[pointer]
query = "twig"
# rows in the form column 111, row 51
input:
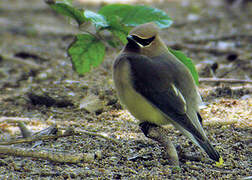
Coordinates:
column 49, row 137
column 87, row 28
column 245, row 88
column 24, row 130
column 224, row 80
column 52, row 130
column 104, row 136
column 14, row 119
column 34, row 138
column 21, row 61
column 52, row 156
column 197, row 48
column 219, row 122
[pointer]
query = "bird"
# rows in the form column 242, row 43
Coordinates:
column 157, row 88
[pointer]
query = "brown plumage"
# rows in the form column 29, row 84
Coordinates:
column 157, row 88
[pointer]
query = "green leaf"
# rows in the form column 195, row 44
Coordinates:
column 86, row 52
column 116, row 24
column 98, row 19
column 120, row 35
column 119, row 30
column 69, row 2
column 136, row 15
column 65, row 8
column 188, row 62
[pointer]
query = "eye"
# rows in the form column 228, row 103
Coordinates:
column 144, row 42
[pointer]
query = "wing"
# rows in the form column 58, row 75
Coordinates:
column 158, row 80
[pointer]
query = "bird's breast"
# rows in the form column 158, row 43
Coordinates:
column 138, row 106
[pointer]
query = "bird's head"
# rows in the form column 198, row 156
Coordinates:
column 144, row 39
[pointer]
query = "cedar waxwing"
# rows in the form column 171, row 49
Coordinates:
column 158, row 88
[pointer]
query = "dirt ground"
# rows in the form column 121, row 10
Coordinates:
column 39, row 87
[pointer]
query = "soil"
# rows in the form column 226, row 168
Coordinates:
column 39, row 87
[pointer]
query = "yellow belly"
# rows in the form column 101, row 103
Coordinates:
column 138, row 106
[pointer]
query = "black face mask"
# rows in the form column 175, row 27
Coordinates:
column 143, row 42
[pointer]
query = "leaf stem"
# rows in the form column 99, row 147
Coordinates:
column 224, row 80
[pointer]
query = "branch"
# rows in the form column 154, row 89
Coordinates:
column 224, row 80
column 52, row 156
column 14, row 119
column 49, row 137
column 21, row 61
column 34, row 138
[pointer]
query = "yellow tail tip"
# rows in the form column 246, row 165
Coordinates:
column 218, row 164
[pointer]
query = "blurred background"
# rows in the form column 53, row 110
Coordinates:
column 39, row 88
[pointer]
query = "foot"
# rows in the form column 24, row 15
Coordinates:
column 160, row 135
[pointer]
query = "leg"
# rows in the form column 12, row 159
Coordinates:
column 159, row 134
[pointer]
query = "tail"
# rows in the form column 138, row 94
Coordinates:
column 195, row 132
column 209, row 149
